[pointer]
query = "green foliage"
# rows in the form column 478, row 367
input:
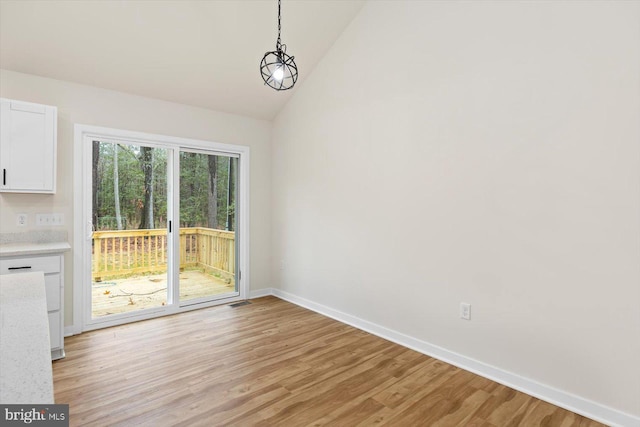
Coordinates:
column 194, row 181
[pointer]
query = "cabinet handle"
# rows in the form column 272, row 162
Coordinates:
column 4, row 177
column 20, row 268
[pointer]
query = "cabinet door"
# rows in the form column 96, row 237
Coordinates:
column 55, row 331
column 27, row 147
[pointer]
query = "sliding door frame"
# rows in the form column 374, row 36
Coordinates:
column 176, row 226
column 84, row 135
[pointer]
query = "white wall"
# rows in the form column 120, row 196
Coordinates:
column 92, row 106
column 486, row 152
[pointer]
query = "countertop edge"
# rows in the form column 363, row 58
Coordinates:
column 26, row 371
column 26, row 249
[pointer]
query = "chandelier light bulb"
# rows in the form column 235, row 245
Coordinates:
column 278, row 74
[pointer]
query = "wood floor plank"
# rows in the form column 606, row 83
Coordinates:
column 349, row 414
column 407, row 387
column 272, row 363
column 463, row 410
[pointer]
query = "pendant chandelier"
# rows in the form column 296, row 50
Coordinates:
column 277, row 68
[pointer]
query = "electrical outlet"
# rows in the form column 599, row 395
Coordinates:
column 49, row 220
column 21, row 220
column 465, row 311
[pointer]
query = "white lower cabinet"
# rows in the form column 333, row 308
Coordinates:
column 53, row 268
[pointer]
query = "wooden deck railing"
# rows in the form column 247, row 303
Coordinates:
column 126, row 252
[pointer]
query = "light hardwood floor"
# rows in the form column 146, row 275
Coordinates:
column 272, row 363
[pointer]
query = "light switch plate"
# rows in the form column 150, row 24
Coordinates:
column 48, row 220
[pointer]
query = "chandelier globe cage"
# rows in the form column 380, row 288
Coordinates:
column 279, row 70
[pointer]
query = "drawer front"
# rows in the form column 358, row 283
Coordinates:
column 48, row 264
column 52, row 287
column 55, row 331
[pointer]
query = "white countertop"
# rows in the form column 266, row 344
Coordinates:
column 27, row 248
column 26, row 376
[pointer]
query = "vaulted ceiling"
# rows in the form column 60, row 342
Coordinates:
column 201, row 53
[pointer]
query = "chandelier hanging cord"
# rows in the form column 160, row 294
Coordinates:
column 280, row 47
column 278, row 42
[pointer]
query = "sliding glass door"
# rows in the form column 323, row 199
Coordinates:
column 130, row 247
column 163, row 221
column 207, row 226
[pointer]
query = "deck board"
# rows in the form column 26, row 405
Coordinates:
column 116, row 296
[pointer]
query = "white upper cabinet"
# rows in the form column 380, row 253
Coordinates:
column 27, row 147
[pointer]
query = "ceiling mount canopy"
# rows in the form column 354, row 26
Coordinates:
column 277, row 68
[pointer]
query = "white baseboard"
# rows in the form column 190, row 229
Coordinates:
column 258, row 293
column 571, row 402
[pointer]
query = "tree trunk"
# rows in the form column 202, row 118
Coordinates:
column 146, row 163
column 212, row 194
column 94, row 185
column 116, row 187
